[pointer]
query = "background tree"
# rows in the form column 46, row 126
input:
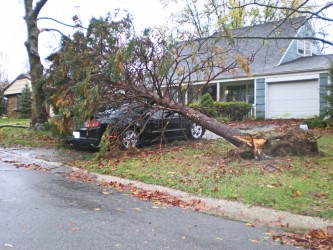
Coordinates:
column 207, row 17
column 3, row 83
column 330, row 90
column 32, row 10
column 25, row 101
column 2, row 102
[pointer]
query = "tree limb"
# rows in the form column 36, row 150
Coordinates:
column 13, row 126
column 68, row 25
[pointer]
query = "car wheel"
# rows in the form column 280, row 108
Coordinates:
column 130, row 139
column 196, row 131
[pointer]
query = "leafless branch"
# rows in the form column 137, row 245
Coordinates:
column 68, row 25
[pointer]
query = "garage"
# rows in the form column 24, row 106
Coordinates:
column 293, row 99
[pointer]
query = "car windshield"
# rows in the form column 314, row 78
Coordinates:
column 125, row 109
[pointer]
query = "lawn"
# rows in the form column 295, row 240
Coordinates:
column 10, row 136
column 301, row 185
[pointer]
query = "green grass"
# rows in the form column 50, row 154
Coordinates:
column 14, row 121
column 301, row 185
column 10, row 136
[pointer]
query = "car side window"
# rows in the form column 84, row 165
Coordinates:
column 157, row 115
column 170, row 114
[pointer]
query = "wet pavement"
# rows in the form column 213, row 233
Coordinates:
column 43, row 210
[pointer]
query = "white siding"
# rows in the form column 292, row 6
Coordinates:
column 17, row 87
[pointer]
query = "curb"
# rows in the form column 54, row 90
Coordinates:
column 229, row 209
column 234, row 210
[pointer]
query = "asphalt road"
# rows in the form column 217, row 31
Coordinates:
column 41, row 210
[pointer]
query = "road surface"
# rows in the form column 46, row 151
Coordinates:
column 44, row 210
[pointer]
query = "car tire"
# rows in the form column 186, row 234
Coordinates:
column 130, row 139
column 196, row 131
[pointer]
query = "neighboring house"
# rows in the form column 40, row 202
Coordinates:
column 289, row 76
column 13, row 91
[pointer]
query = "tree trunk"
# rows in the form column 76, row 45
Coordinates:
column 38, row 112
column 213, row 125
column 210, row 123
column 293, row 142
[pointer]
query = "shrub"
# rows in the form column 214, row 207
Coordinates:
column 234, row 111
column 325, row 120
column 319, row 122
column 206, row 105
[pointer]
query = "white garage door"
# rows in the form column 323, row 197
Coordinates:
column 293, row 99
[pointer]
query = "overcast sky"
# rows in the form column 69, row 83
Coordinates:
column 13, row 55
column 13, row 32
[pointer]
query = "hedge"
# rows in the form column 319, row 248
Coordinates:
column 233, row 111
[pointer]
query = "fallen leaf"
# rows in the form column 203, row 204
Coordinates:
column 97, row 209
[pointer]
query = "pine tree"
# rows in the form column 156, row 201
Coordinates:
column 330, row 93
column 2, row 103
column 25, row 101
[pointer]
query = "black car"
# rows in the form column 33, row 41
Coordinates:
column 132, row 125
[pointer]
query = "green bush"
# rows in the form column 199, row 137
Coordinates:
column 319, row 122
column 325, row 120
column 234, row 111
column 207, row 105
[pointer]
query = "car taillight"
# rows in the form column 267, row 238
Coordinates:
column 91, row 124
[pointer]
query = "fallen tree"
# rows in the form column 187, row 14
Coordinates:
column 102, row 67
column 296, row 142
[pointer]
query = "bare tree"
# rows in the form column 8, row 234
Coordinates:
column 212, row 16
column 39, row 114
column 32, row 10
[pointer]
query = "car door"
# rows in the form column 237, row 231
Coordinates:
column 172, row 122
column 154, row 125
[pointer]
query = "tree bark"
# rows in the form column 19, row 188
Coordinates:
column 38, row 113
column 210, row 123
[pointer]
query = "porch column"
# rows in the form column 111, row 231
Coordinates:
column 218, row 92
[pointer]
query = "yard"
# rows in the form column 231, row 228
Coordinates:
column 301, row 185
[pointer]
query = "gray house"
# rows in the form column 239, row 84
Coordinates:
column 288, row 76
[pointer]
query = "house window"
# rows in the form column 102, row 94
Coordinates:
column 306, row 48
column 250, row 94
column 236, row 93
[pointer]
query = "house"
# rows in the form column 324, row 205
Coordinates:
column 13, row 91
column 288, row 77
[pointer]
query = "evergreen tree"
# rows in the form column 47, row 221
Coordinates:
column 330, row 90
column 25, row 102
column 2, row 103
